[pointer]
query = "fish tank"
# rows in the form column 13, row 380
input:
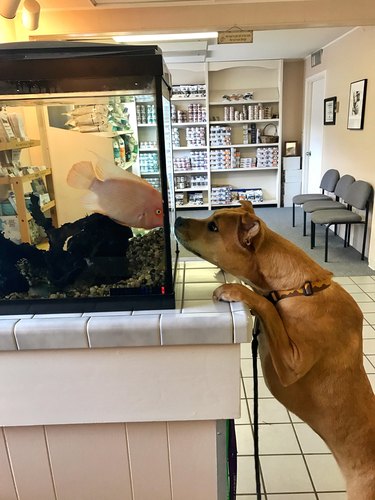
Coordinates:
column 86, row 207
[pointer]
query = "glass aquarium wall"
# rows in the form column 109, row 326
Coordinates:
column 85, row 162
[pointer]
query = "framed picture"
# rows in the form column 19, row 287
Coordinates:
column 357, row 101
column 291, row 148
column 330, row 111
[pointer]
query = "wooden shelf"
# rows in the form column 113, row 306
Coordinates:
column 9, row 179
column 255, row 169
column 188, row 124
column 241, row 122
column 18, row 144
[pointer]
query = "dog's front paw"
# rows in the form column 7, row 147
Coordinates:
column 228, row 293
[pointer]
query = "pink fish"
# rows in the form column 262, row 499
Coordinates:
column 124, row 197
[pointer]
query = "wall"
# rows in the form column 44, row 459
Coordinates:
column 350, row 151
column 293, row 100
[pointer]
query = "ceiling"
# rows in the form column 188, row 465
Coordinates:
column 296, row 43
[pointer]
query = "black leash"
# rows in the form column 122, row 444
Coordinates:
column 254, row 352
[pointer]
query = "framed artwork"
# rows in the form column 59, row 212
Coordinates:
column 291, row 148
column 330, row 111
column 357, row 101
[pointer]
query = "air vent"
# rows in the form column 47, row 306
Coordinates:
column 316, row 58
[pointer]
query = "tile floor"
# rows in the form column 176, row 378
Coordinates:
column 295, row 462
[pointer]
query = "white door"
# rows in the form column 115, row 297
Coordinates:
column 313, row 142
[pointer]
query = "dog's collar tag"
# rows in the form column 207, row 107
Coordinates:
column 308, row 289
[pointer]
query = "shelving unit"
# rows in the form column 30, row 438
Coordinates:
column 17, row 184
column 242, row 120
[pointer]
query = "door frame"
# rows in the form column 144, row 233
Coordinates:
column 306, row 123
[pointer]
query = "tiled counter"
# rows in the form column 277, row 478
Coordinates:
column 107, row 399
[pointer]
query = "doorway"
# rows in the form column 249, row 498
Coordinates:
column 313, row 140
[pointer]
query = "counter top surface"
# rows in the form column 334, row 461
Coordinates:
column 196, row 319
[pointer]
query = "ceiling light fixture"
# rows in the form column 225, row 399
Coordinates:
column 30, row 14
column 165, row 37
column 8, row 8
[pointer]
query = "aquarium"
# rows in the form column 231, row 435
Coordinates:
column 85, row 171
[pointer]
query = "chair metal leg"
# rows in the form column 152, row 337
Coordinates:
column 312, row 235
column 294, row 215
column 346, row 241
column 304, row 223
column 326, row 245
column 364, row 239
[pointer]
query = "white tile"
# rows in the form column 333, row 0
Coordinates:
column 369, row 346
column 244, row 437
column 245, row 475
column 283, row 475
column 290, row 496
column 368, row 364
column 270, row 412
column 244, row 419
column 360, row 280
column 371, row 295
column 246, row 350
column 198, row 263
column 332, row 496
column 343, row 280
column 371, row 359
column 368, row 332
column 277, row 439
column 7, row 338
column 247, row 367
column 363, row 299
column 211, row 275
column 370, row 318
column 182, row 329
column 124, row 331
column 198, row 291
column 202, row 306
column 367, row 307
column 325, row 473
column 51, row 333
column 310, row 441
column 263, row 390
column 229, row 278
column 369, row 288
column 242, row 323
column 351, row 288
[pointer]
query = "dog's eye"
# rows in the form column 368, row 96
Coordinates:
column 212, row 227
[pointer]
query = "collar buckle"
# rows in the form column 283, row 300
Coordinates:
column 308, row 289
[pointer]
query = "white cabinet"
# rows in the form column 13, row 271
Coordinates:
column 292, row 179
column 228, row 138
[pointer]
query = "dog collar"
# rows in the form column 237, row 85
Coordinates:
column 309, row 288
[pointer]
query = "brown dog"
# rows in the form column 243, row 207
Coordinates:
column 311, row 333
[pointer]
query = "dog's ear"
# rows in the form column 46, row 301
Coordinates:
column 247, row 205
column 249, row 228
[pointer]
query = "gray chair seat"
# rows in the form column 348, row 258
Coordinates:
column 300, row 199
column 337, row 216
column 314, row 206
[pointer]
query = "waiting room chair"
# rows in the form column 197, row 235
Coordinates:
column 340, row 192
column 327, row 184
column 358, row 197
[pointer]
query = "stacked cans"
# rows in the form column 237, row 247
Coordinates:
column 220, row 135
column 224, row 159
column 259, row 112
column 196, row 198
column 221, row 195
column 176, row 137
column 154, row 181
column 196, row 113
column 267, row 157
column 147, row 145
column 146, row 114
column 195, row 136
column 148, row 163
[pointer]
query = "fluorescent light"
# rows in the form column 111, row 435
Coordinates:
column 163, row 37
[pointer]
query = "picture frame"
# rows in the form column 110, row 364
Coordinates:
column 330, row 110
column 291, row 148
column 357, row 102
